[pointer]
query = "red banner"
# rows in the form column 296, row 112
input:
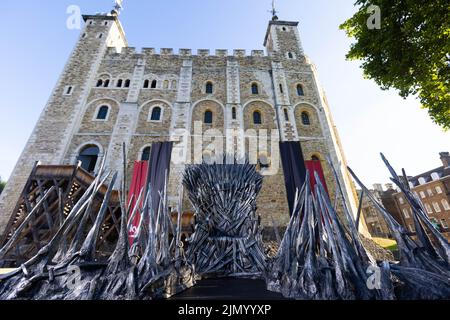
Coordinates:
column 138, row 183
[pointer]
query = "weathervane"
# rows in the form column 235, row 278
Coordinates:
column 117, row 7
column 273, row 11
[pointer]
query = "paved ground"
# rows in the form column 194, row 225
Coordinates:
column 228, row 289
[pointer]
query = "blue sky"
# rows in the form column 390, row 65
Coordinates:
column 36, row 45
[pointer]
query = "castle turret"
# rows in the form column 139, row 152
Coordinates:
column 54, row 129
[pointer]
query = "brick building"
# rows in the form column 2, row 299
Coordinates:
column 376, row 225
column 110, row 93
column 433, row 188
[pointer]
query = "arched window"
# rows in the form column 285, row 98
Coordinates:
column 146, row 84
column 300, row 91
column 209, row 87
column 88, row 157
column 106, row 84
column 255, row 89
column 156, row 114
column 286, row 114
column 103, row 113
column 146, row 154
column 99, row 83
column 315, row 158
column 166, row 84
column 281, row 88
column 127, row 83
column 119, row 83
column 208, row 117
column 257, row 119
column 233, row 113
column 154, row 83
column 290, row 55
column 174, row 84
column 305, row 119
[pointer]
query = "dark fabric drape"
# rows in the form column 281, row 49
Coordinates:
column 160, row 157
column 294, row 169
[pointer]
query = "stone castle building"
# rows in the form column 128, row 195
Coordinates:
column 109, row 94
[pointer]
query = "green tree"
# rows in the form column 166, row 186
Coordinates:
column 410, row 52
column 2, row 185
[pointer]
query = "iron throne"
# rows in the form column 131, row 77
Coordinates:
column 227, row 241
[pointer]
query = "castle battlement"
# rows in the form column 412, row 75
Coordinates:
column 133, row 52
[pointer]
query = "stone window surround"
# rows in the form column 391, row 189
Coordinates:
column 205, row 83
column 296, row 89
column 141, row 150
column 101, row 153
column 149, row 117
column 97, row 109
column 66, row 88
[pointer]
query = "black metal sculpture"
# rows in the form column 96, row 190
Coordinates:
column 227, row 240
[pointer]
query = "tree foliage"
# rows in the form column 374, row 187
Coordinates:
column 410, row 53
column 2, row 185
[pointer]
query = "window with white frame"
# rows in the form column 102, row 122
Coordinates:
column 438, row 190
column 68, row 90
column 435, row 176
column 400, row 199
column 422, row 180
column 429, row 209
column 422, row 195
column 155, row 114
column 444, row 224
column 436, row 207
column 445, row 204
column 430, row 192
column 405, row 213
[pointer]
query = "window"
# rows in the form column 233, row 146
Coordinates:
column 290, row 55
column 208, row 117
column 127, row 83
column 428, row 207
column 281, row 88
column 84, row 35
column 286, row 115
column 305, row 119
column 166, row 84
column 435, row 176
column 154, row 84
column 146, row 154
column 257, row 119
column 146, row 84
column 401, row 200
column 102, row 113
column 88, row 157
column 68, row 90
column 300, row 91
column 422, row 180
column 315, row 158
column 119, row 83
column 209, row 87
column 430, row 192
column 156, row 114
column 436, row 207
column 411, row 228
column 422, row 195
column 255, row 89
column 106, row 83
column 99, row 83
column 233, row 113
column 405, row 213
column 438, row 190
column 100, row 36
column 444, row 224
column 445, row 204
column 174, row 84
